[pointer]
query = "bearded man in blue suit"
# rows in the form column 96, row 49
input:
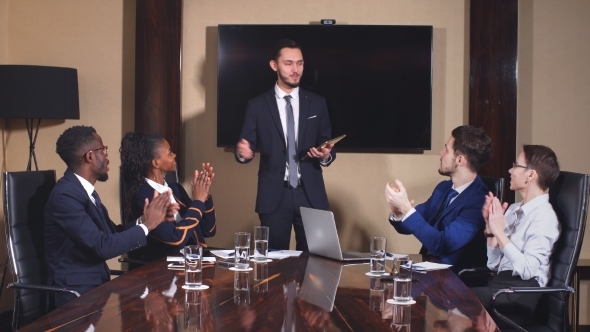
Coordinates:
column 449, row 224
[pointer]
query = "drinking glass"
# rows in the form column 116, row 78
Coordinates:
column 241, row 287
column 401, row 317
column 260, row 243
column 260, row 276
column 193, row 310
column 402, row 280
column 242, row 243
column 193, row 266
column 378, row 247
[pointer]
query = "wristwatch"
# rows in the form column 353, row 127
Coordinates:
column 487, row 234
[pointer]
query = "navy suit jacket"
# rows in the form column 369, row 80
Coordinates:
column 78, row 240
column 263, row 130
column 198, row 222
column 458, row 240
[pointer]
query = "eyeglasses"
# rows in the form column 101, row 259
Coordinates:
column 515, row 165
column 105, row 150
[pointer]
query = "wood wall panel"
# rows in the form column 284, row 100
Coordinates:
column 158, row 71
column 493, row 81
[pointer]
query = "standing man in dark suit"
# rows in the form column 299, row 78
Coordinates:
column 79, row 235
column 450, row 223
column 285, row 124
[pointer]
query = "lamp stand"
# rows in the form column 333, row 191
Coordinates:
column 32, row 141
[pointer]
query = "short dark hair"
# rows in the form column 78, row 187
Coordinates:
column 280, row 44
column 73, row 143
column 544, row 161
column 474, row 144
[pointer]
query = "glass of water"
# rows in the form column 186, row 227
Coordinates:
column 402, row 281
column 242, row 243
column 193, row 266
column 260, row 243
column 378, row 247
column 241, row 287
column 401, row 317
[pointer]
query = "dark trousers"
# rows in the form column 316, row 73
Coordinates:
column 517, row 307
column 286, row 214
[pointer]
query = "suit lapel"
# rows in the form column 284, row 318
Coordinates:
column 303, row 112
column 459, row 200
column 106, row 224
column 271, row 100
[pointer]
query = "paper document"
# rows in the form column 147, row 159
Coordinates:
column 430, row 266
column 223, row 253
column 391, row 256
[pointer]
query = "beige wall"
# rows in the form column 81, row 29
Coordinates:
column 553, row 84
column 90, row 36
column 355, row 182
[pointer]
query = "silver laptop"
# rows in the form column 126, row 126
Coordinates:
column 320, row 283
column 322, row 238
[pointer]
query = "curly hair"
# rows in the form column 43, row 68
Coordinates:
column 137, row 151
column 73, row 143
column 474, row 144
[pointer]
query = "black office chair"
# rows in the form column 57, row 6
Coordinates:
column 569, row 198
column 495, row 185
column 478, row 276
column 25, row 197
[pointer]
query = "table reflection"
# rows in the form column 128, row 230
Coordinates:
column 294, row 294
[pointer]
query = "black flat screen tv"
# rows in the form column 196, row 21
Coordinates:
column 377, row 80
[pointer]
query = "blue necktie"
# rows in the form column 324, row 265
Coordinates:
column 452, row 194
column 291, row 148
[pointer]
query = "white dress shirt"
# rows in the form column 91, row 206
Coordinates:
column 90, row 189
column 162, row 188
column 282, row 105
column 532, row 228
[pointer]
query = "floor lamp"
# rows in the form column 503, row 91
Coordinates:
column 38, row 92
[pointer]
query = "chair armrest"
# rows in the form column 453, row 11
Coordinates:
column 117, row 272
column 131, row 260
column 18, row 285
column 516, row 290
column 513, row 290
column 477, row 270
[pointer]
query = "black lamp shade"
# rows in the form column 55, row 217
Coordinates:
column 38, row 92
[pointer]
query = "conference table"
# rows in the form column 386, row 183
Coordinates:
column 305, row 293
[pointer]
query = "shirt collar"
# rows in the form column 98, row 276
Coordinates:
column 534, row 203
column 462, row 188
column 161, row 188
column 280, row 94
column 87, row 185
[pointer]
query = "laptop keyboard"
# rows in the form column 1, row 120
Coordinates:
column 345, row 256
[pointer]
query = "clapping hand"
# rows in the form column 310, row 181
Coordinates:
column 397, row 198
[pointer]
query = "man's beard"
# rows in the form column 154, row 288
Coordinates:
column 291, row 84
column 448, row 171
column 102, row 175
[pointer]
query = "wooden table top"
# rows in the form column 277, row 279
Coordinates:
column 307, row 293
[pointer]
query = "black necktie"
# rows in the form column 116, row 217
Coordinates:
column 291, row 149
column 98, row 204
